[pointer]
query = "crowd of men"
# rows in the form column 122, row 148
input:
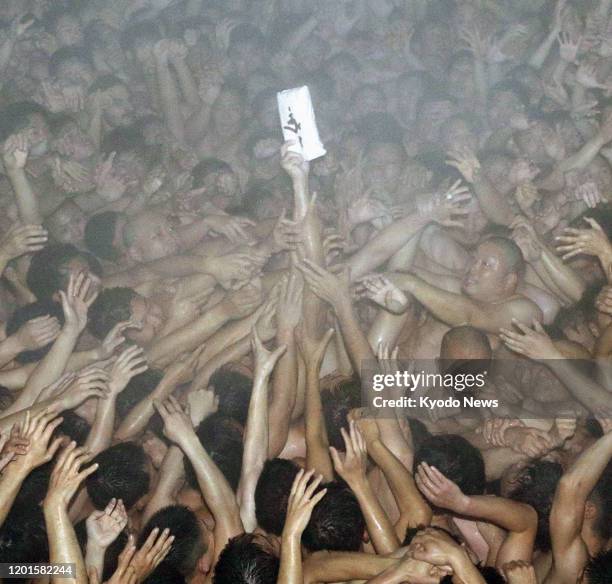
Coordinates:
column 188, row 306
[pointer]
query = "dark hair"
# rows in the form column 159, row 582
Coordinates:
column 206, row 167
column 44, row 277
column 124, row 139
column 456, row 459
column 74, row 426
column 105, row 82
column 100, row 235
column 136, row 390
column 272, row 494
column 243, row 561
column 411, row 532
column 165, row 574
column 537, row 484
column 599, row 569
column 246, row 33
column 111, row 307
column 337, row 523
column 121, row 474
column 234, row 392
column 16, row 116
column 29, row 312
column 34, row 488
column 601, row 496
column 188, row 544
column 222, row 440
column 337, row 404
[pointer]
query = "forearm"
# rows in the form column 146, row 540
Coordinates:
column 356, row 342
column 343, row 566
column 413, row 508
column 542, row 52
column 233, row 353
column 170, row 100
column 187, row 82
column 63, row 544
column 284, row 388
column 8, row 420
column 101, row 433
column 317, row 443
column 564, row 277
column 511, row 515
column 380, row 528
column 187, row 338
column 586, row 391
column 388, row 242
column 94, row 557
column 493, row 203
column 27, row 202
column 10, row 483
column 584, row 156
column 255, row 451
column 9, row 349
column 171, row 476
column 290, row 570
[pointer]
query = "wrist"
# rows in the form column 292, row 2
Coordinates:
column 13, row 343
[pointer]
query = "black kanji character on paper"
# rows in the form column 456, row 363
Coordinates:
column 294, row 126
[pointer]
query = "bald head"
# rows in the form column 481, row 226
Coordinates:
column 463, row 343
column 511, row 253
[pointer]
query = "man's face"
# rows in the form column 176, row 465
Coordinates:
column 67, row 224
column 154, row 237
column 37, row 134
column 68, row 31
column 487, row 274
column 120, row 111
column 131, row 168
column 383, row 168
column 73, row 143
column 149, row 318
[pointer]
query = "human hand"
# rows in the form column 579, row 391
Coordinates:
column 603, row 302
column 177, row 425
column 439, row 490
column 201, row 403
column 559, row 15
column 589, row 193
column 161, row 50
column 15, row 152
column 591, row 241
column 177, row 50
column 352, row 465
column 327, row 286
column 465, row 161
column 109, row 185
column 475, row 40
column 130, row 363
column 313, row 350
column 114, row 339
column 334, row 245
column 563, row 428
column 71, row 176
column 383, row 292
column 528, row 441
column 294, row 164
column 494, row 430
column 231, row 227
column 434, row 546
column 242, row 302
column 265, row 360
column 586, row 75
column 37, row 333
column 152, row 553
column 519, row 572
column 23, row 239
column 91, row 382
column 234, row 268
column 36, row 430
column 366, row 425
column 103, row 527
column 66, row 477
column 568, row 47
column 446, row 208
column 302, row 501
column 364, row 209
column 287, row 234
column 525, row 237
column 289, row 311
column 12, row 444
column 77, row 299
column 533, row 343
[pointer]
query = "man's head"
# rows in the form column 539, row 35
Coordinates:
column 51, row 268
column 115, row 305
column 123, row 473
column 219, row 180
column 190, row 537
column 234, row 392
column 383, row 166
column 30, row 120
column 67, row 223
column 245, row 561
column 465, row 349
column 150, row 236
column 272, row 494
column 118, row 110
column 70, row 141
column 71, row 67
column 495, row 270
column 337, row 523
column 456, row 459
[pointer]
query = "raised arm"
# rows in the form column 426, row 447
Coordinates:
column 256, row 431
